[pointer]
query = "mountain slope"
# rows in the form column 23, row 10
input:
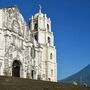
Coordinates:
column 81, row 77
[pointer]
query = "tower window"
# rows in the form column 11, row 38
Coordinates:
column 51, row 72
column 49, row 40
column 36, row 26
column 36, row 37
column 48, row 27
column 50, row 55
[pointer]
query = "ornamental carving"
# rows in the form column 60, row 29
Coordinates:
column 33, row 53
column 11, row 14
column 15, row 26
column 27, row 57
column 14, row 21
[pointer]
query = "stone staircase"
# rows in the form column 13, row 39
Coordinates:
column 12, row 83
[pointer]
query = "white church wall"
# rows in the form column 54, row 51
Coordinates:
column 43, row 70
column 1, row 18
column 16, row 43
column 51, row 71
column 2, row 43
column 1, row 66
column 41, row 23
column 41, row 34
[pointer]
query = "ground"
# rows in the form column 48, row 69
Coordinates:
column 12, row 83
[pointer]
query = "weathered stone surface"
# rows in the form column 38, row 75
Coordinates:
column 26, row 52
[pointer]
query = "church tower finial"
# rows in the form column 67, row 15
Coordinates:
column 40, row 8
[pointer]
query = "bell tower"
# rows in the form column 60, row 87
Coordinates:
column 40, row 26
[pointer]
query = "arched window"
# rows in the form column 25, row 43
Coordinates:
column 49, row 40
column 36, row 26
column 48, row 27
column 50, row 55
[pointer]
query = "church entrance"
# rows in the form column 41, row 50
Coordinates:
column 16, row 69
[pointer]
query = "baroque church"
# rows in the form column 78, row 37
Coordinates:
column 27, row 51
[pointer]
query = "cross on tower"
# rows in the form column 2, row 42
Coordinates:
column 40, row 8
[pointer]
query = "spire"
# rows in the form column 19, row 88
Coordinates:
column 40, row 8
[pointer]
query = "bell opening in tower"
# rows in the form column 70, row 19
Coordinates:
column 48, row 27
column 36, row 27
column 49, row 41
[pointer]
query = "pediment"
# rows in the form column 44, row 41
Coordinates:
column 14, row 21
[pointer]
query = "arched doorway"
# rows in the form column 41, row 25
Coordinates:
column 16, row 69
column 33, row 74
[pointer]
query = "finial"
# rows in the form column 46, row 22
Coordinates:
column 40, row 8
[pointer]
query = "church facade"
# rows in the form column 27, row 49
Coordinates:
column 27, row 51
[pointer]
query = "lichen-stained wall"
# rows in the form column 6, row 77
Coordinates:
column 16, row 43
column 13, row 20
column 25, row 51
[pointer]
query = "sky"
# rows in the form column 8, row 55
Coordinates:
column 71, row 28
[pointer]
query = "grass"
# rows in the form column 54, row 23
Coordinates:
column 12, row 83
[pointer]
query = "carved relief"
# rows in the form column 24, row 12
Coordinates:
column 15, row 26
column 8, row 53
column 22, row 27
column 6, row 67
column 33, row 53
column 27, row 57
column 14, row 21
column 27, row 35
column 10, row 12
